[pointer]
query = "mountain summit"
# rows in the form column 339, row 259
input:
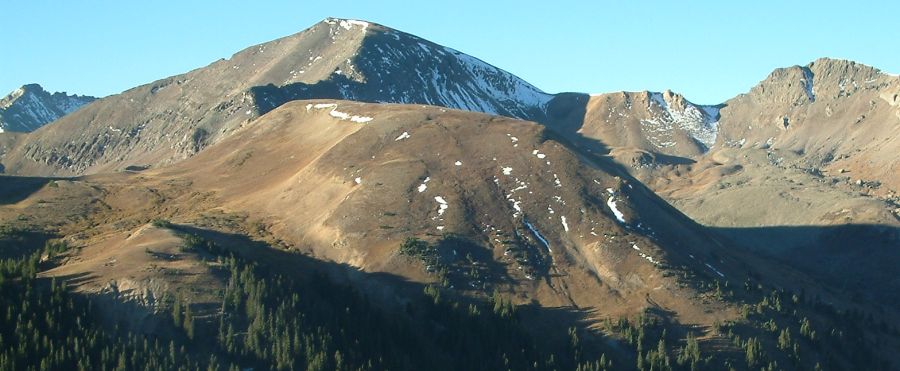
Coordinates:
column 30, row 107
column 173, row 118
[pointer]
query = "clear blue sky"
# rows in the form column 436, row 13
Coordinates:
column 709, row 51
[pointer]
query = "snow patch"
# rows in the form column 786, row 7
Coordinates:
column 645, row 256
column 458, row 163
column 701, row 122
column 611, row 203
column 358, row 180
column 507, row 170
column 442, row 204
column 538, row 235
column 348, row 24
column 360, row 119
column 338, row 114
column 423, row 186
column 564, row 224
column 714, row 270
column 403, row 136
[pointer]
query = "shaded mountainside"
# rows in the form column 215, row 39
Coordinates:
column 174, row 118
column 30, row 107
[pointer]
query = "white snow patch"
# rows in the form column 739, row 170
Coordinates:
column 649, row 258
column 403, row 136
column 423, row 186
column 348, row 24
column 507, row 170
column 714, row 270
column 458, row 163
column 701, row 122
column 565, row 225
column 442, row 204
column 538, row 235
column 338, row 114
column 358, row 180
column 360, row 119
column 611, row 202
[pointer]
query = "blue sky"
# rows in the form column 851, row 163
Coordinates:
column 707, row 50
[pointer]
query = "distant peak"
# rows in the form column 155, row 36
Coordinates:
column 27, row 88
column 827, row 61
column 846, row 65
column 32, row 87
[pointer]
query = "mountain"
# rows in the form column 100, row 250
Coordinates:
column 836, row 114
column 802, row 168
column 174, row 118
column 663, row 123
column 31, row 107
column 396, row 199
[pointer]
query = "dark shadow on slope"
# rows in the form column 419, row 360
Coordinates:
column 675, row 231
column 664, row 159
column 548, row 326
column 17, row 243
column 410, row 70
column 17, row 188
column 859, row 259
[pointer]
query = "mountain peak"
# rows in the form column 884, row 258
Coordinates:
column 824, row 78
column 30, row 107
column 33, row 87
column 347, row 23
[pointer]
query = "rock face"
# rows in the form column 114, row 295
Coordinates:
column 30, row 107
column 174, row 118
column 836, row 114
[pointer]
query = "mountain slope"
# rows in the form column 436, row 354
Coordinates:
column 174, row 118
column 30, row 107
column 835, row 114
column 469, row 202
column 664, row 123
column 804, row 169
column 352, row 192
